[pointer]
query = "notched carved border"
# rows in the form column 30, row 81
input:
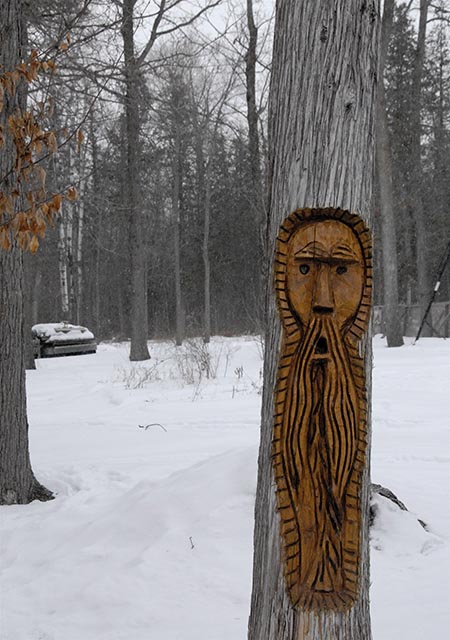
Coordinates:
column 295, row 543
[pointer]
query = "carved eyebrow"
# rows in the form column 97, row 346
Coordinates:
column 316, row 251
column 312, row 250
column 344, row 252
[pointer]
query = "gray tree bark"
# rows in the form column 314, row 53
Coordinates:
column 391, row 315
column 176, row 193
column 17, row 482
column 321, row 150
column 35, row 293
column 139, row 318
column 31, row 279
column 204, row 205
column 258, row 204
column 98, row 226
column 417, row 204
column 252, row 115
column 205, row 133
column 79, row 293
column 132, row 67
column 205, row 247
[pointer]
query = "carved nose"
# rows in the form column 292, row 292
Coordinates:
column 323, row 297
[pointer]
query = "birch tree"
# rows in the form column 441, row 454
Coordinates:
column 322, row 109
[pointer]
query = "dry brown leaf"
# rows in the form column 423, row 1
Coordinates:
column 5, row 241
column 72, row 194
column 51, row 142
column 22, row 239
column 34, row 244
column 57, row 201
column 80, row 138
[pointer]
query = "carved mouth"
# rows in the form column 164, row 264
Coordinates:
column 321, row 346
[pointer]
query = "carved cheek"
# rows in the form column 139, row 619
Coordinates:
column 347, row 291
column 299, row 291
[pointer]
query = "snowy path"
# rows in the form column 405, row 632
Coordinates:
column 150, row 537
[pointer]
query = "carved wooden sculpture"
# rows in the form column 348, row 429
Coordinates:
column 323, row 284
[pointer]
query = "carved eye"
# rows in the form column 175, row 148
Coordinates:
column 340, row 270
column 304, row 269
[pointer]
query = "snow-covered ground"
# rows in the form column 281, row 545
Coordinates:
column 150, row 536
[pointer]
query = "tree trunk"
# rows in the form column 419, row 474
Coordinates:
column 98, row 227
column 30, row 280
column 204, row 206
column 65, row 252
column 17, row 482
column 205, row 248
column 139, row 319
column 321, row 127
column 258, row 204
column 252, row 116
column 63, row 270
column 417, row 204
column 35, row 293
column 176, row 192
column 79, row 251
column 79, row 287
column 69, row 220
column 391, row 316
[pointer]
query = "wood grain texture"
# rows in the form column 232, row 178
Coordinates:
column 323, row 267
column 17, row 482
column 321, row 148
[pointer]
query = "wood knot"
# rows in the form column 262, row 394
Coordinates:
column 324, row 34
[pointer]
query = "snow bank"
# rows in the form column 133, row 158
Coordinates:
column 150, row 536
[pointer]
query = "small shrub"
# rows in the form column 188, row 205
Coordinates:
column 196, row 362
column 138, row 376
column 243, row 380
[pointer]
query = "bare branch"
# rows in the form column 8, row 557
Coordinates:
column 157, row 34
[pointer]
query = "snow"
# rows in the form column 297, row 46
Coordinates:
column 52, row 332
column 154, row 467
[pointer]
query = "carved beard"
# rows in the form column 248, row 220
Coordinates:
column 317, row 445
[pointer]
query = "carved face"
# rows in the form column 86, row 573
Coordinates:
column 325, row 272
column 323, row 283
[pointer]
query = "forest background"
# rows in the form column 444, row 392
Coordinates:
column 170, row 100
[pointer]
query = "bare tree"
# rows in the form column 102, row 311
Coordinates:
column 17, row 481
column 386, row 197
column 207, row 111
column 258, row 204
column 176, row 104
column 139, row 322
column 321, row 141
column 252, row 114
column 165, row 21
column 417, row 204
